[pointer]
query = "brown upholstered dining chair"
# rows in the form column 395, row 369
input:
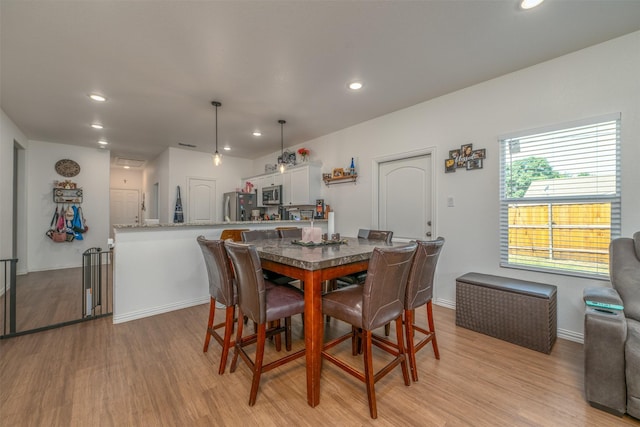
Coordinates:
column 420, row 292
column 290, row 233
column 221, row 290
column 251, row 235
column 368, row 307
column 381, row 235
column 264, row 307
column 233, row 234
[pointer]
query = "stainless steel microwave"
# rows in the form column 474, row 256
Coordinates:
column 272, row 195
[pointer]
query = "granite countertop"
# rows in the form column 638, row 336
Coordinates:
column 319, row 257
column 214, row 224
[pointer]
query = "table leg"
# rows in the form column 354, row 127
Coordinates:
column 313, row 333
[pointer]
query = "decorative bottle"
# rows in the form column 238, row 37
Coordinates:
column 352, row 168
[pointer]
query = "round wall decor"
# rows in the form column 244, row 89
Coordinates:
column 67, row 168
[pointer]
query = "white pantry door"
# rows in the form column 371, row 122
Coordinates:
column 404, row 200
column 202, row 200
column 124, row 205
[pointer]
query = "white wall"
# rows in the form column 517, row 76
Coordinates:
column 595, row 81
column 189, row 164
column 43, row 253
column 9, row 133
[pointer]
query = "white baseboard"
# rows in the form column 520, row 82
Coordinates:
column 571, row 336
column 562, row 333
column 139, row 314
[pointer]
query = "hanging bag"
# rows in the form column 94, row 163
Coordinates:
column 53, row 233
column 54, row 219
column 60, row 223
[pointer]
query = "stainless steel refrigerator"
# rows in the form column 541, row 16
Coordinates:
column 238, row 206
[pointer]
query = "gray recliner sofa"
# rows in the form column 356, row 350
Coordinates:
column 612, row 335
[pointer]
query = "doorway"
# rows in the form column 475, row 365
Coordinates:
column 124, row 205
column 403, row 195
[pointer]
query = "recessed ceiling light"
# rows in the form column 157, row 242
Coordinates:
column 127, row 167
column 226, row 148
column 530, row 4
column 102, row 142
column 257, row 133
column 355, row 85
column 97, row 97
column 97, row 126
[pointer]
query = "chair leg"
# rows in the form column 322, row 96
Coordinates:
column 257, row 367
column 401, row 351
column 287, row 333
column 277, row 338
column 355, row 341
column 411, row 348
column 236, row 348
column 432, row 328
column 369, row 374
column 226, row 343
column 387, row 329
column 212, row 313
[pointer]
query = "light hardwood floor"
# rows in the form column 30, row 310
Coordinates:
column 152, row 372
column 51, row 297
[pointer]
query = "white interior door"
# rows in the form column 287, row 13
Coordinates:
column 404, row 199
column 202, row 200
column 124, row 205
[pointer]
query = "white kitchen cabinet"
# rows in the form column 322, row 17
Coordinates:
column 261, row 181
column 301, row 185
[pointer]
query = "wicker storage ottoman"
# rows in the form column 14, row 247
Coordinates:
column 513, row 310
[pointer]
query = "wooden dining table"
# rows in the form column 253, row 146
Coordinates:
column 313, row 265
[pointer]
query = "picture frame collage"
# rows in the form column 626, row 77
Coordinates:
column 465, row 157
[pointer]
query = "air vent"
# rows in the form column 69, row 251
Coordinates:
column 187, row 145
column 130, row 162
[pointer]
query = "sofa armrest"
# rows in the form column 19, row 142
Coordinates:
column 605, row 333
column 602, row 297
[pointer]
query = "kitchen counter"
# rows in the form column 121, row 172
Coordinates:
column 160, row 268
column 227, row 224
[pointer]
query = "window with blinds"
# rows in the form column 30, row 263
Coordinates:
column 560, row 197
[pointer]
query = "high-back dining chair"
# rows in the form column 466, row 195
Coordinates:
column 234, row 234
column 264, row 307
column 420, row 292
column 381, row 235
column 221, row 290
column 379, row 301
column 290, row 233
column 251, row 235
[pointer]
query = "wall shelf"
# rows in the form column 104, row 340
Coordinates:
column 67, row 195
column 340, row 180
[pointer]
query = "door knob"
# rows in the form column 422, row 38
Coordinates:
column 429, row 223
column 428, row 234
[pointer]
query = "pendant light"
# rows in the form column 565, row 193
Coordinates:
column 282, row 162
column 217, row 158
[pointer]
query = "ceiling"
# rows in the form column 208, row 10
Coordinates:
column 161, row 63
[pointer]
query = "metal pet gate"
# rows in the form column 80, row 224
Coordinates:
column 97, row 273
column 96, row 293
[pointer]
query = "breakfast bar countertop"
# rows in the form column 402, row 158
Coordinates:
column 275, row 223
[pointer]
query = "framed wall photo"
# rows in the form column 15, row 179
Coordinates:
column 454, row 154
column 479, row 154
column 466, row 150
column 449, row 165
column 474, row 164
column 337, row 173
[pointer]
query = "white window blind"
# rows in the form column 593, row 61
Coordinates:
column 560, row 197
